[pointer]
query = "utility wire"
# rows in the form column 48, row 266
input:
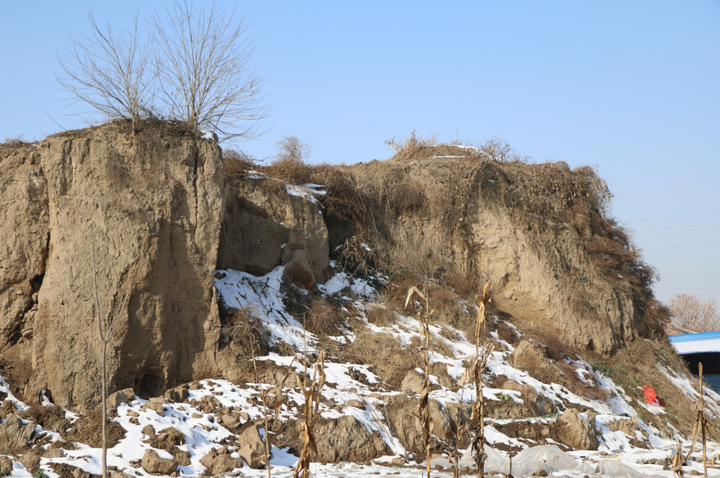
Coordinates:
column 671, row 217
column 680, row 247
column 682, row 231
column 679, row 227
column 672, row 190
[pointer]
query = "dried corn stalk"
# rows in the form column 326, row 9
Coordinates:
column 264, row 397
column 699, row 427
column 423, row 406
column 479, row 361
column 311, row 412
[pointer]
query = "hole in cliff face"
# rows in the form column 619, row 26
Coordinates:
column 590, row 346
column 149, row 385
column 36, row 282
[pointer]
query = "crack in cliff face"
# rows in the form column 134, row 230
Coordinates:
column 194, row 182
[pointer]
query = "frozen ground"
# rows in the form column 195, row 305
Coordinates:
column 261, row 296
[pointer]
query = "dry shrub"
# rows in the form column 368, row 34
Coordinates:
column 244, row 330
column 411, row 146
column 236, row 163
column 387, row 358
column 324, row 318
column 88, row 430
column 380, row 316
column 49, row 418
column 291, row 171
column 289, row 164
column 10, row 145
column 356, row 257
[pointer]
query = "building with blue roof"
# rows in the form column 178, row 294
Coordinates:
column 701, row 348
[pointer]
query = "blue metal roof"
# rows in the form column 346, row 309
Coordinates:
column 694, row 337
column 696, row 343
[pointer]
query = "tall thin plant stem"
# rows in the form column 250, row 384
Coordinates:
column 477, row 418
column 423, row 405
column 105, row 338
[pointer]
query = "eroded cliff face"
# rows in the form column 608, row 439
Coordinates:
column 448, row 216
column 161, row 218
column 151, row 206
column 24, row 235
column 268, row 224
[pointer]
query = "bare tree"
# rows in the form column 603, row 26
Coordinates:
column 290, row 148
column 110, row 73
column 105, row 337
column 203, row 71
column 692, row 313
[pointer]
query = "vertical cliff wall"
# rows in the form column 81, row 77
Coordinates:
column 151, row 204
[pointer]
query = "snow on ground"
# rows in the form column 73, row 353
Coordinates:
column 353, row 390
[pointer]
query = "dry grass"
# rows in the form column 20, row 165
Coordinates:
column 387, row 358
column 245, row 332
column 324, row 319
column 236, row 164
column 631, row 374
column 12, row 145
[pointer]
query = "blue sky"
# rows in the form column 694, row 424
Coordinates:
column 632, row 88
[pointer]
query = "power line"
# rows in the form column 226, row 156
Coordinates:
column 681, row 231
column 672, row 190
column 671, row 217
column 680, row 247
column 679, row 227
column 667, row 193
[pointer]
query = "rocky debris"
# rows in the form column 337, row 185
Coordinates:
column 14, row 435
column 252, row 447
column 220, row 461
column 229, row 421
column 538, row 404
column 6, row 466
column 169, row 439
column 576, row 432
column 225, row 463
column 30, row 460
column 413, row 383
column 439, row 370
column 626, row 425
column 152, row 463
column 53, row 453
column 177, row 394
column 118, row 398
column 533, row 358
column 7, row 408
column 347, row 439
column 207, row 404
column 156, row 404
column 401, row 415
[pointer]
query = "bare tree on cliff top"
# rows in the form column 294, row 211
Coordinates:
column 203, row 71
column 110, row 73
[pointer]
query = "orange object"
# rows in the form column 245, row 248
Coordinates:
column 650, row 395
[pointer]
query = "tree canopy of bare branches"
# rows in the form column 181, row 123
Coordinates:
column 110, row 73
column 203, row 71
column 200, row 74
column 695, row 314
